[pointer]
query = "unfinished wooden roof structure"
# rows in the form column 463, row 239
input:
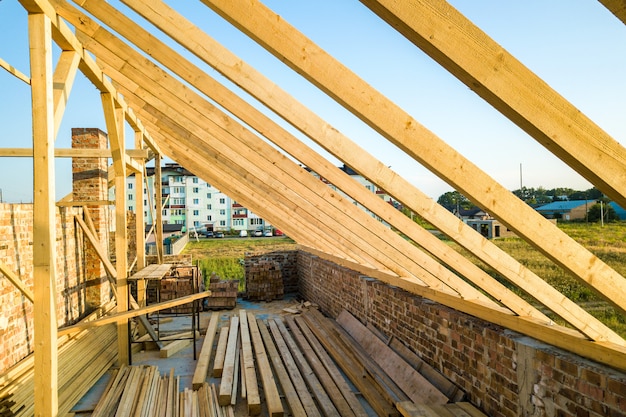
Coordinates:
column 167, row 100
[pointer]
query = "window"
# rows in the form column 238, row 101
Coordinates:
column 222, row 201
column 194, row 180
column 196, row 224
column 208, row 206
column 196, row 201
column 164, row 212
column 130, row 197
column 208, row 195
column 131, row 208
column 145, row 202
column 222, row 222
column 196, row 212
column 130, row 185
column 208, row 218
column 222, row 212
column 145, row 214
column 196, row 190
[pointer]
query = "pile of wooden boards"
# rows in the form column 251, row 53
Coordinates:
column 264, row 281
column 140, row 391
column 83, row 358
column 223, row 293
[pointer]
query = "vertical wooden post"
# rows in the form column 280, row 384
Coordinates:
column 44, row 225
column 115, row 126
column 158, row 222
column 140, row 228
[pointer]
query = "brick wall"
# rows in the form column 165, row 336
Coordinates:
column 16, row 252
column 502, row 372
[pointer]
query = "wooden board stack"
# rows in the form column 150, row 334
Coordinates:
column 83, row 359
column 264, row 281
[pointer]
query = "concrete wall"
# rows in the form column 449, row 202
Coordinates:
column 16, row 252
column 502, row 372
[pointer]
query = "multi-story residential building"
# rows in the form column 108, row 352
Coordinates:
column 189, row 201
column 192, row 202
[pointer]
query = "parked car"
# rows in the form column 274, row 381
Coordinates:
column 258, row 233
column 268, row 233
column 219, row 234
column 277, row 232
column 243, row 233
column 207, row 233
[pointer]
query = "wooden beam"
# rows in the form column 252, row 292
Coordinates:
column 505, row 83
column 158, row 221
column 228, row 373
column 64, row 75
column 617, row 7
column 253, row 397
column 140, row 221
column 115, row 128
column 12, row 70
column 270, row 389
column 15, row 280
column 202, row 366
column 74, row 153
column 44, row 215
column 125, row 315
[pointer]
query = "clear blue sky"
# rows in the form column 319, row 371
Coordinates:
column 576, row 46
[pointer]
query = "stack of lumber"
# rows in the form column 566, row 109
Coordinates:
column 140, row 391
column 264, row 281
column 82, row 359
column 223, row 294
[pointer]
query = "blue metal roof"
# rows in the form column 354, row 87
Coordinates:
column 565, row 206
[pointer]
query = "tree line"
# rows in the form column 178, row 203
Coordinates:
column 455, row 201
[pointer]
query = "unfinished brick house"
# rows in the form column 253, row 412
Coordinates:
column 505, row 353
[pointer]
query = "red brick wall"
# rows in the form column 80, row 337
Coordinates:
column 502, row 372
column 16, row 252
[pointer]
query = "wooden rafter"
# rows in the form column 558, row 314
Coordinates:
column 15, row 280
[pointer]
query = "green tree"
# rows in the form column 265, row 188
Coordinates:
column 596, row 211
column 453, row 200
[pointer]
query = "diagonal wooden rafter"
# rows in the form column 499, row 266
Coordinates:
column 617, row 7
column 15, row 280
column 63, row 80
column 468, row 238
column 393, row 123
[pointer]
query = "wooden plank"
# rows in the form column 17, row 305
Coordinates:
column 202, row 366
column 270, row 390
column 174, row 347
column 252, row 387
column 323, row 400
column 418, row 388
column 431, row 374
column 294, row 373
column 410, row 409
column 226, row 384
column 322, row 374
column 12, row 70
column 133, row 313
column 349, row 363
column 336, row 374
column 220, row 353
column 289, row 391
column 236, row 374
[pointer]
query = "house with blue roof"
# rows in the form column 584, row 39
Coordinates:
column 566, row 210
